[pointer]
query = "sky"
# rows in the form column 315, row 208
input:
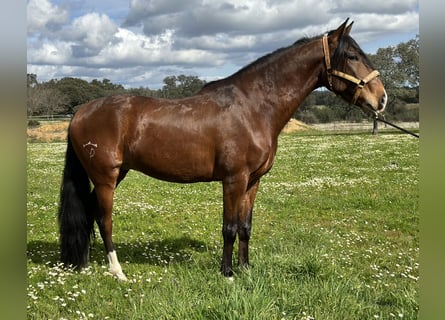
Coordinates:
column 138, row 43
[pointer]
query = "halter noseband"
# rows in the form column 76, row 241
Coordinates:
column 330, row 72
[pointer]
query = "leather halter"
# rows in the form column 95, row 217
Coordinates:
column 330, row 72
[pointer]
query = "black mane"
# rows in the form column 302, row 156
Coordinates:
column 337, row 60
column 341, row 52
column 264, row 59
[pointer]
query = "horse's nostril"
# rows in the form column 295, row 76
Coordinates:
column 383, row 101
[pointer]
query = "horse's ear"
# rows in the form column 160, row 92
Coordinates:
column 337, row 34
column 348, row 28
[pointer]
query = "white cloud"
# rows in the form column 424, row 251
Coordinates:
column 378, row 6
column 371, row 26
column 207, row 37
column 231, row 17
column 121, row 49
column 92, row 31
column 41, row 14
column 133, row 49
column 50, row 53
column 219, row 41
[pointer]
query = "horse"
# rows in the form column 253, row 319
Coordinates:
column 226, row 132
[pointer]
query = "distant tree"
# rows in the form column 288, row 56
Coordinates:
column 106, row 87
column 80, row 91
column 43, row 99
column 72, row 92
column 32, row 103
column 77, row 90
column 399, row 71
column 31, row 80
column 181, row 86
column 55, row 102
column 189, row 85
column 142, row 91
column 408, row 53
column 170, row 89
column 34, row 100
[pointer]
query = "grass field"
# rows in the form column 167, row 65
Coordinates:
column 335, row 236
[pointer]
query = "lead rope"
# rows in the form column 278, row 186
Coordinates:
column 397, row 127
column 378, row 118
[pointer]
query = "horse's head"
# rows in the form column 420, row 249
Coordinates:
column 349, row 72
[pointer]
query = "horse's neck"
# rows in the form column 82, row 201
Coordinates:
column 283, row 84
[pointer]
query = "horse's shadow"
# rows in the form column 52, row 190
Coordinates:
column 157, row 252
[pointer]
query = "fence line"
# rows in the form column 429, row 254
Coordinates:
column 351, row 126
column 56, row 117
column 331, row 126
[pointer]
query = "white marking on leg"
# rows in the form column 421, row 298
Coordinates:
column 115, row 267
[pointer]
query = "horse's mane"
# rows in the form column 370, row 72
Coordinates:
column 267, row 57
column 264, row 59
column 338, row 58
column 340, row 53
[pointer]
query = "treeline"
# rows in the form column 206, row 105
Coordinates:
column 398, row 66
column 56, row 97
column 324, row 107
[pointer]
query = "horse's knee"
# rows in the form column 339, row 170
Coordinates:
column 244, row 231
column 229, row 232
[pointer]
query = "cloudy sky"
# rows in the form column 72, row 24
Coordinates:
column 140, row 42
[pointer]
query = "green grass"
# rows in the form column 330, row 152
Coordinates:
column 335, row 236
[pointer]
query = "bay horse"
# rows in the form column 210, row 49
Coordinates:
column 227, row 132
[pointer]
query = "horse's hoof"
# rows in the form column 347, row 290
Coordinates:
column 119, row 275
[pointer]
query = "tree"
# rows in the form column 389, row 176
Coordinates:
column 34, row 100
column 181, row 86
column 31, row 80
column 398, row 66
column 408, row 53
column 106, row 87
column 141, row 91
column 55, row 102
column 43, row 99
column 77, row 90
column 399, row 71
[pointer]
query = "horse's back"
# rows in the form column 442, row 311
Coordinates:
column 185, row 140
column 99, row 114
column 168, row 139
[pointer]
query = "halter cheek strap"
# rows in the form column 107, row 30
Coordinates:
column 330, row 72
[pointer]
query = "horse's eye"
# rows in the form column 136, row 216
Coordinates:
column 352, row 56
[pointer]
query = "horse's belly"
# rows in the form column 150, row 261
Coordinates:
column 175, row 164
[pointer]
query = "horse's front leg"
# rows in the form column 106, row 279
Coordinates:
column 234, row 189
column 245, row 225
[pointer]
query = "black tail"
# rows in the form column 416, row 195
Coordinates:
column 75, row 213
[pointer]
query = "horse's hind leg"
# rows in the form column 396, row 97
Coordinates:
column 104, row 193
